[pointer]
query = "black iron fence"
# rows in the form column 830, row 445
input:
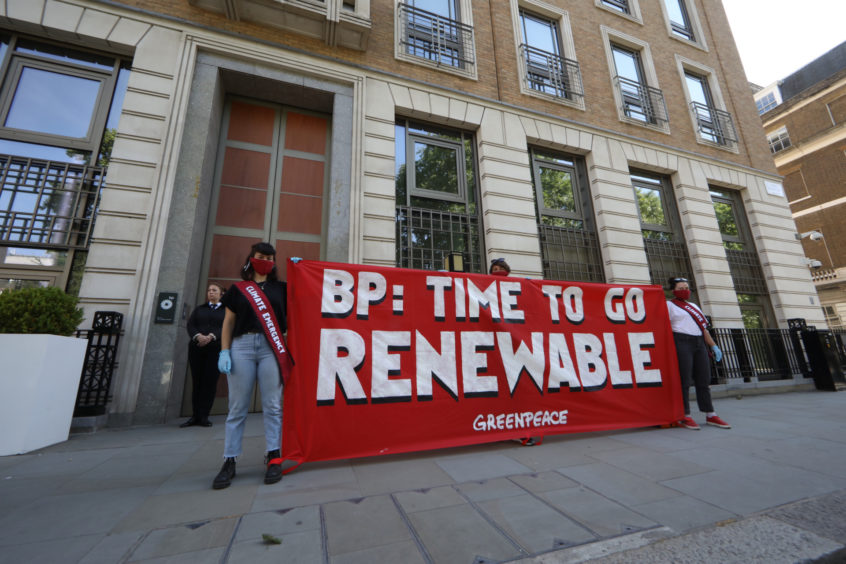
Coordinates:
column 751, row 355
column 100, row 363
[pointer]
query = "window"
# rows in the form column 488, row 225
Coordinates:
column 638, row 100
column 744, row 264
column 436, row 208
column 58, row 114
column 713, row 125
column 666, row 251
column 433, row 31
column 766, row 102
column 779, row 141
column 546, row 69
column 569, row 246
column 621, row 6
column 832, row 318
column 680, row 22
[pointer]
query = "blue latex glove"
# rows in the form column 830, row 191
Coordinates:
column 224, row 362
column 295, row 260
column 718, row 354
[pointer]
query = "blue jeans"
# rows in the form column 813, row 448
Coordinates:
column 253, row 359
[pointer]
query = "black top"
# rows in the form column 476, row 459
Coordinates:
column 206, row 320
column 245, row 318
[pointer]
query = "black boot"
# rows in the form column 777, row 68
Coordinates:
column 274, row 467
column 224, row 477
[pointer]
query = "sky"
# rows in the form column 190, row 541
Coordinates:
column 777, row 37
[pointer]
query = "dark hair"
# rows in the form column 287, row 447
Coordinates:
column 499, row 262
column 671, row 283
column 247, row 271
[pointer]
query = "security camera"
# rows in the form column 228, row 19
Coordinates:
column 815, row 236
column 815, row 264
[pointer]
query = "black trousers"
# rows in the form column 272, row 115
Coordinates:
column 204, row 375
column 694, row 368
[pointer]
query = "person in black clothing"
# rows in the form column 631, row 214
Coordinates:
column 248, row 360
column 204, row 327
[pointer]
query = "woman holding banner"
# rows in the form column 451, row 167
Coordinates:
column 690, row 332
column 252, row 350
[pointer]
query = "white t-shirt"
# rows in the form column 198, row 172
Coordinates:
column 681, row 321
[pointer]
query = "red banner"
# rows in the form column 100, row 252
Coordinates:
column 393, row 360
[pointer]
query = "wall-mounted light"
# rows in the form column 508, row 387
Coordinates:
column 454, row 262
column 813, row 263
column 812, row 235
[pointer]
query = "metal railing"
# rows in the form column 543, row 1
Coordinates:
column 436, row 38
column 570, row 254
column 548, row 73
column 100, row 363
column 641, row 102
column 426, row 237
column 757, row 355
column 47, row 204
column 714, row 125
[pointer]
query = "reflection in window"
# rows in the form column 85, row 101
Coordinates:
column 679, row 19
column 569, row 246
column 54, row 103
column 621, row 6
column 435, row 198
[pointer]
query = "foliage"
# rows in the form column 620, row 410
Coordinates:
column 39, row 310
column 651, row 210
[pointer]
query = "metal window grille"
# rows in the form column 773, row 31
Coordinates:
column 570, row 254
column 667, row 259
column 714, row 125
column 746, row 272
column 548, row 73
column 641, row 102
column 47, row 204
column 426, row 237
column 436, row 38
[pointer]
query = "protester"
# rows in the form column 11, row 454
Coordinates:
column 501, row 268
column 247, row 357
column 690, row 332
column 204, row 327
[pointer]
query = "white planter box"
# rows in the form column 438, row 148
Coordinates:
column 39, row 380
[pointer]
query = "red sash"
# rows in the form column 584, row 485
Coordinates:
column 264, row 313
column 694, row 313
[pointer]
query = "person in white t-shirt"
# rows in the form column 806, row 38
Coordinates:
column 690, row 332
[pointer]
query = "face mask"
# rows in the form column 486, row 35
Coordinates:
column 681, row 294
column 262, row 266
column 500, row 273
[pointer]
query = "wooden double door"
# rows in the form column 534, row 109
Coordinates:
column 270, row 185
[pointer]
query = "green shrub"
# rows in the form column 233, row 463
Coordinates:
column 39, row 310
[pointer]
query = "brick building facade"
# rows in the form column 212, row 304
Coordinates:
column 602, row 140
column 807, row 134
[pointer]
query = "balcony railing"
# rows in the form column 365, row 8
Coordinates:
column 436, row 38
column 714, row 125
column 548, row 73
column 47, row 204
column 641, row 102
column 757, row 355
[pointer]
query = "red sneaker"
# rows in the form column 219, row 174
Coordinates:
column 689, row 423
column 717, row 422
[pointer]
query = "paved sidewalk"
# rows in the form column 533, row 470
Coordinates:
column 772, row 489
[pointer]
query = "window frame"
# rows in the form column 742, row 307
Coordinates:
column 613, row 37
column 661, row 184
column 561, row 18
column 614, row 7
column 464, row 15
column 12, row 69
column 694, row 26
column 778, row 138
column 689, row 67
